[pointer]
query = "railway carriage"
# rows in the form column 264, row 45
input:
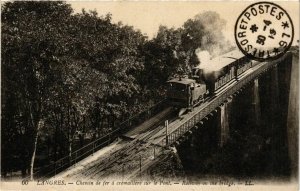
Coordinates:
column 187, row 92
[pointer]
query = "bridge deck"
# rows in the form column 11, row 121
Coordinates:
column 150, row 124
column 180, row 127
column 151, row 136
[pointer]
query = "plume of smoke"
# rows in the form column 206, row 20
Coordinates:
column 213, row 43
column 210, row 71
column 213, row 39
column 202, row 55
column 204, row 59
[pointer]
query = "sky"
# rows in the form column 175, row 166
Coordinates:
column 147, row 16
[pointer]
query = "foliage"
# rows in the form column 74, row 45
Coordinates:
column 67, row 75
column 173, row 51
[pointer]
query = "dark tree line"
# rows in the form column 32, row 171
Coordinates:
column 69, row 76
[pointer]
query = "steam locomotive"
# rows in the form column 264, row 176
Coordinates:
column 202, row 83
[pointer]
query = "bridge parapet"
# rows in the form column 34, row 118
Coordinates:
column 202, row 113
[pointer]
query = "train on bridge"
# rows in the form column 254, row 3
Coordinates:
column 188, row 92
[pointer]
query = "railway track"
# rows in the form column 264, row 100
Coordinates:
column 133, row 149
column 103, row 162
column 122, row 162
column 125, row 161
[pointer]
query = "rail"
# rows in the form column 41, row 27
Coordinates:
column 199, row 116
column 89, row 149
column 193, row 120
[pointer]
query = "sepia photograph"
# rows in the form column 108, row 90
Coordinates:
column 149, row 95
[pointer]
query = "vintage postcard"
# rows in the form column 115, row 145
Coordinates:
column 149, row 95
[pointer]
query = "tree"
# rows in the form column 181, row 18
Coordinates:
column 164, row 57
column 30, row 31
column 64, row 74
column 57, row 67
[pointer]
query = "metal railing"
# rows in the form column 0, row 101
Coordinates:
column 142, row 116
column 199, row 116
column 89, row 149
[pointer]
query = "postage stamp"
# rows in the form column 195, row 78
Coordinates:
column 264, row 31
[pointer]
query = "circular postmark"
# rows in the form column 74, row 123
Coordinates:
column 264, row 31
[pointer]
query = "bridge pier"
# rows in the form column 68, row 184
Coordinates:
column 224, row 122
column 293, row 116
column 275, row 89
column 274, row 93
column 248, row 130
column 256, row 102
column 270, row 117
